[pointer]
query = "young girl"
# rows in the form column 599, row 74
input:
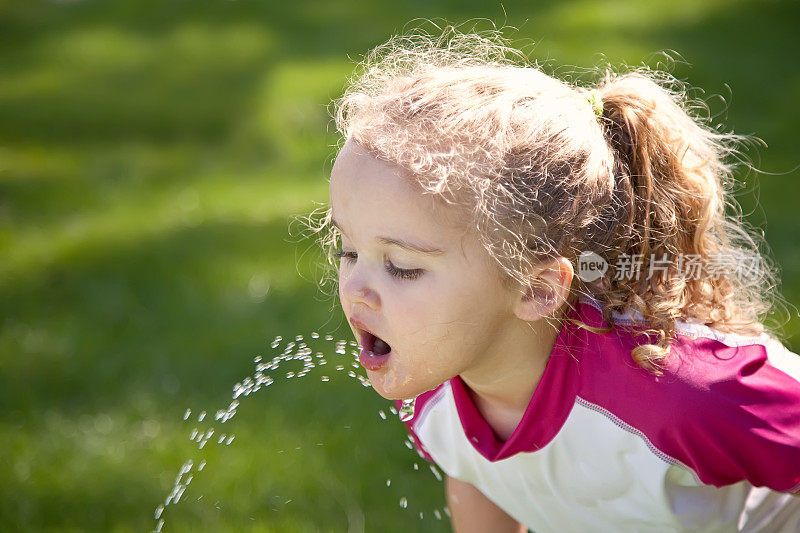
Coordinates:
column 550, row 272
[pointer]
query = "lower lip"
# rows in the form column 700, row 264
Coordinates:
column 371, row 361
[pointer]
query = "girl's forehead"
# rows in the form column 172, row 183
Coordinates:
column 359, row 179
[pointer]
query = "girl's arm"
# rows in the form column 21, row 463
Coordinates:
column 472, row 512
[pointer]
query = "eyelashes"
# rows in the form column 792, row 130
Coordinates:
column 391, row 269
column 402, row 273
column 341, row 254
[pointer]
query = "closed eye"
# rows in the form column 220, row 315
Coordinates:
column 403, row 273
column 394, row 271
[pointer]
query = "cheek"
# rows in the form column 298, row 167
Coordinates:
column 341, row 280
column 459, row 318
column 432, row 316
column 451, row 302
column 342, row 301
column 409, row 309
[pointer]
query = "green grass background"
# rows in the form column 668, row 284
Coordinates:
column 152, row 154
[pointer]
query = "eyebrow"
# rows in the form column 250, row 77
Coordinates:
column 410, row 246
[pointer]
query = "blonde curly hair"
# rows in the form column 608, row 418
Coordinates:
column 526, row 158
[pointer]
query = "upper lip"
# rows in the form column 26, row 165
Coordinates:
column 359, row 324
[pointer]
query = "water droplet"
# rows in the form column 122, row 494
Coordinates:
column 437, row 514
column 292, row 350
column 407, row 410
column 436, row 472
column 420, row 515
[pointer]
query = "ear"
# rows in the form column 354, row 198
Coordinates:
column 547, row 291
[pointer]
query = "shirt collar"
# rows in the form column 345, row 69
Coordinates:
column 550, row 404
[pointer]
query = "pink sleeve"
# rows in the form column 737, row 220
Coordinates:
column 728, row 413
column 750, row 431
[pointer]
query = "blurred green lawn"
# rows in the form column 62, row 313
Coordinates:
column 152, row 154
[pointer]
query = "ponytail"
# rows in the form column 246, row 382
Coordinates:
column 670, row 188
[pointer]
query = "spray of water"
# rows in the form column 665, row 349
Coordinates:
column 407, row 409
column 292, row 350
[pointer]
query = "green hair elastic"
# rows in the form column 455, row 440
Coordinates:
column 596, row 102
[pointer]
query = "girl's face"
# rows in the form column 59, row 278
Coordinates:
column 421, row 294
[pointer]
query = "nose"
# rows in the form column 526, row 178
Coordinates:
column 355, row 289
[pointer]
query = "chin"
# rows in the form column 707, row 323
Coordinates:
column 390, row 393
column 391, row 390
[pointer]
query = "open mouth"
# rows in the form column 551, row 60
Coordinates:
column 374, row 344
column 375, row 352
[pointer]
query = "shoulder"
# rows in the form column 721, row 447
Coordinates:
column 726, row 406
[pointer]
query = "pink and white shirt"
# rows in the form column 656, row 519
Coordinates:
column 711, row 445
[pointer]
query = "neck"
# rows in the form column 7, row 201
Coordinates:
column 502, row 385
